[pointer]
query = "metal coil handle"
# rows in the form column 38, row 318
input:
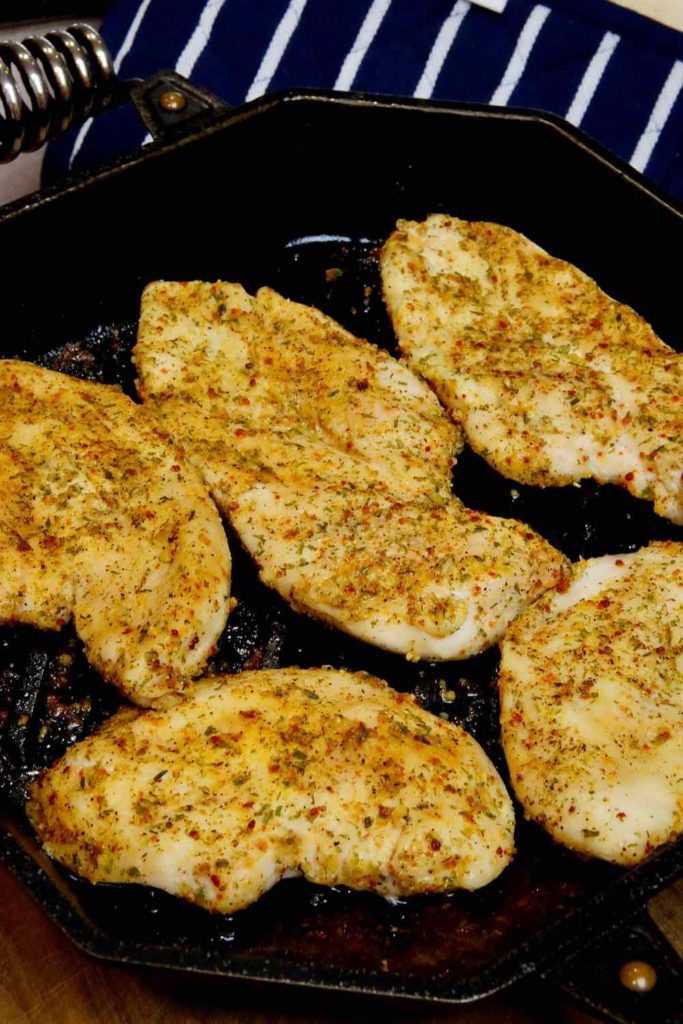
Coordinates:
column 49, row 83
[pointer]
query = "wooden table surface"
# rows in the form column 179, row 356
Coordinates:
column 44, row 979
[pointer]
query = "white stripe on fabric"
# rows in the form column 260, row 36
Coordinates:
column 658, row 118
column 367, row 32
column 127, row 44
column 196, row 44
column 199, row 39
column 497, row 6
column 124, row 50
column 276, row 48
column 591, row 78
column 441, row 49
column 520, row 56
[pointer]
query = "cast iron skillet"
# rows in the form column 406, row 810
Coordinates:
column 296, row 191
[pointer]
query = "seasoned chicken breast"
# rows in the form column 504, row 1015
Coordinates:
column 436, row 581
column 286, row 394
column 332, row 462
column 552, row 380
column 256, row 777
column 102, row 522
column 591, row 686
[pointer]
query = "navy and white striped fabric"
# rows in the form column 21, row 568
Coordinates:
column 616, row 74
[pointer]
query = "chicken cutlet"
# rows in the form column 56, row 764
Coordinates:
column 552, row 380
column 272, row 774
column 284, row 393
column 434, row 581
column 102, row 523
column 332, row 462
column 591, row 687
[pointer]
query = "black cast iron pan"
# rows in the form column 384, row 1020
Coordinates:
column 281, row 192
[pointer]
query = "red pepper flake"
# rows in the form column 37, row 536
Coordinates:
column 253, row 713
column 194, row 834
column 605, row 603
column 175, row 469
column 251, row 824
column 619, row 561
column 215, row 880
column 239, row 432
column 435, row 844
column 384, row 812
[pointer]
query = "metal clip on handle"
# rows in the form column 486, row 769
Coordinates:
column 49, row 83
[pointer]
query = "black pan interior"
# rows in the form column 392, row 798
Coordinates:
column 214, row 216
column 62, row 699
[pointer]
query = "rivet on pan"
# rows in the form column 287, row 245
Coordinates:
column 172, row 100
column 638, row 976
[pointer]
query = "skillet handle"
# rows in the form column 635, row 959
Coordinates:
column 51, row 83
column 592, row 976
column 169, row 104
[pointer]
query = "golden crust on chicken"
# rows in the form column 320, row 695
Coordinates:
column 102, row 522
column 551, row 379
column 591, row 687
column 256, row 777
column 332, row 461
